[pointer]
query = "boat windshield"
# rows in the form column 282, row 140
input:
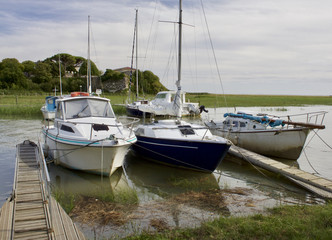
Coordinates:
column 87, row 107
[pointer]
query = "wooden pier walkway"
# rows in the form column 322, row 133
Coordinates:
column 32, row 213
column 316, row 184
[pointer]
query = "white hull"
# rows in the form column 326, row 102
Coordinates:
column 48, row 115
column 101, row 159
column 285, row 143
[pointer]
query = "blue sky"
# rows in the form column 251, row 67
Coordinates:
column 261, row 46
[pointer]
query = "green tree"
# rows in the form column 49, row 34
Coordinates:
column 11, row 74
column 42, row 73
column 112, row 75
column 94, row 69
column 28, row 68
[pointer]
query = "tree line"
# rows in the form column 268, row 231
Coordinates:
column 44, row 75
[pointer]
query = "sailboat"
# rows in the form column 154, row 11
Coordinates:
column 86, row 134
column 177, row 142
column 264, row 134
column 162, row 104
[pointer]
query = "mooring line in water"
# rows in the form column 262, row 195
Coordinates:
column 310, row 162
column 267, row 177
column 316, row 132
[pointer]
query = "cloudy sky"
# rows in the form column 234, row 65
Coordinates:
column 261, row 46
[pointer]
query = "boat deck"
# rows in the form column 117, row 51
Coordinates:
column 316, row 184
column 31, row 212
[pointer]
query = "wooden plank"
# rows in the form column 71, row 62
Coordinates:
column 6, row 220
column 59, row 231
column 29, row 218
column 288, row 171
column 68, row 225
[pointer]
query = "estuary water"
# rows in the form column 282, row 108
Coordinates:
column 146, row 195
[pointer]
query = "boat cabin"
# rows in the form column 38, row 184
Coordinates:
column 83, row 107
column 50, row 103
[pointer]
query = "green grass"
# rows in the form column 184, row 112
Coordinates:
column 285, row 222
column 215, row 100
column 28, row 105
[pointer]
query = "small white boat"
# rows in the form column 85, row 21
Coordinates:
column 176, row 142
column 48, row 109
column 263, row 134
column 163, row 105
column 87, row 136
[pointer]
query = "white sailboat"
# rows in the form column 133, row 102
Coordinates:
column 86, row 134
column 179, row 143
column 264, row 134
column 162, row 104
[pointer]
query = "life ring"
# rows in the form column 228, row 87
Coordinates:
column 75, row 94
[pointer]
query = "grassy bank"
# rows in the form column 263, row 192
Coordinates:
column 28, row 105
column 286, row 222
column 216, row 100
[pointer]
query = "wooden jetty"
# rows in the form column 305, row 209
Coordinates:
column 316, row 184
column 31, row 212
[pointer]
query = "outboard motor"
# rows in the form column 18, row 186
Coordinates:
column 202, row 108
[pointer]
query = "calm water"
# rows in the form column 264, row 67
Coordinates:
column 154, row 184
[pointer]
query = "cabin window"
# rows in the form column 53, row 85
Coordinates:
column 100, row 127
column 242, row 124
column 235, row 124
column 186, row 130
column 79, row 108
column 161, row 95
column 59, row 113
column 139, row 131
column 66, row 128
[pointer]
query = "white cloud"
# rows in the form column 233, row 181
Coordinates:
column 262, row 47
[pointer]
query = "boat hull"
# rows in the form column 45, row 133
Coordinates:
column 101, row 159
column 134, row 112
column 48, row 115
column 192, row 154
column 281, row 143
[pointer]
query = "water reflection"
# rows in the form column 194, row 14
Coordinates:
column 80, row 183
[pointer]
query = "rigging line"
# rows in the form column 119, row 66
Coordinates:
column 75, row 149
column 148, row 42
column 216, row 172
column 174, row 159
column 214, row 54
column 310, row 162
column 244, row 157
column 316, row 132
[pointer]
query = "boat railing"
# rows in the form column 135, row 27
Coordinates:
column 310, row 118
column 46, row 182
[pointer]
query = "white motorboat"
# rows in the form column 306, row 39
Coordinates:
column 86, row 135
column 263, row 134
column 176, row 142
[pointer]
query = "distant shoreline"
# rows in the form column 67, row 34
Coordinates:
column 27, row 104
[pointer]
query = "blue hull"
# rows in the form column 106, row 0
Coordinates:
column 197, row 155
column 136, row 113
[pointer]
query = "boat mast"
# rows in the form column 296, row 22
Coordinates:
column 136, row 27
column 177, row 99
column 88, row 80
column 60, row 76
